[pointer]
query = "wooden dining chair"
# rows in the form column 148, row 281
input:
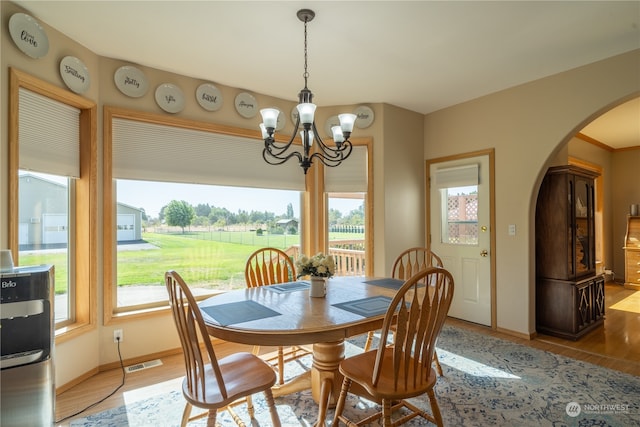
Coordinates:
column 271, row 266
column 397, row 372
column 408, row 263
column 210, row 383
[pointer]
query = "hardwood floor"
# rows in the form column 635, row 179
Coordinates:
column 615, row 346
column 619, row 339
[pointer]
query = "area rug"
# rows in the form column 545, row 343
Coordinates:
column 487, row 382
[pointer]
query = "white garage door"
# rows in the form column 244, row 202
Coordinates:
column 54, row 228
column 126, row 227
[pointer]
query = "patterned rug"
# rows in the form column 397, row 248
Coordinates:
column 487, row 382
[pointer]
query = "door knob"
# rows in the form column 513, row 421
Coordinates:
column 484, row 253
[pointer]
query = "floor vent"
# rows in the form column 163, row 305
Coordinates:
column 144, row 365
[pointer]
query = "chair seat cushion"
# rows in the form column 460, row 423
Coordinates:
column 358, row 368
column 243, row 374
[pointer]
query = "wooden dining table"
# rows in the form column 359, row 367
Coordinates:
column 285, row 314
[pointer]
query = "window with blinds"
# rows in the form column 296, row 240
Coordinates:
column 49, row 162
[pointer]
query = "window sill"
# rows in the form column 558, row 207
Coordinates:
column 129, row 314
column 69, row 332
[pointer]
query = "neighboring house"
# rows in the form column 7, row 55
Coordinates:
column 287, row 223
column 44, row 210
column 129, row 223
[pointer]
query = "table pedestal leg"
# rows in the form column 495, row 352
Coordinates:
column 325, row 378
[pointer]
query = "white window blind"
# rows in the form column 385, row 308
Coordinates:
column 153, row 152
column 351, row 175
column 458, row 176
column 48, row 135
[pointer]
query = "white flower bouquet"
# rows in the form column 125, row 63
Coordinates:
column 319, row 265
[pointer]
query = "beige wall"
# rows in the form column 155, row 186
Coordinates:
column 400, row 188
column 624, row 192
column 528, row 126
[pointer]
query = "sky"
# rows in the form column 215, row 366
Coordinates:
column 152, row 196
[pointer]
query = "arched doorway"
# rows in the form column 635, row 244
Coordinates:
column 616, row 190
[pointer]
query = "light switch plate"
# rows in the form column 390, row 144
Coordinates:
column 512, row 229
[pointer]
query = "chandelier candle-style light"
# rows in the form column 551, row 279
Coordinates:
column 276, row 153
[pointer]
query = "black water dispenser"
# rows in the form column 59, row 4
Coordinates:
column 26, row 347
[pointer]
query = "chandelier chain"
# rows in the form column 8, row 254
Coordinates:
column 306, row 73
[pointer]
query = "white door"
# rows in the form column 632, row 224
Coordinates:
column 54, row 228
column 460, row 232
column 126, row 227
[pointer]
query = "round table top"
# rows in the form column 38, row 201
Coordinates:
column 286, row 315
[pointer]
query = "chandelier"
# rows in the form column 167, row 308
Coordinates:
column 276, row 153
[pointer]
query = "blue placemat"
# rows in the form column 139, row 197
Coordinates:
column 389, row 283
column 238, row 312
column 289, row 287
column 366, row 307
column 386, row 283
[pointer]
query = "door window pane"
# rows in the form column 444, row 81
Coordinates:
column 204, row 232
column 44, row 231
column 460, row 215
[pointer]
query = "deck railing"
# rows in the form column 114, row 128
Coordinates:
column 348, row 255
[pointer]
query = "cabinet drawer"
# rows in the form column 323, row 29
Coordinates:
column 633, row 276
column 632, row 257
column 632, row 264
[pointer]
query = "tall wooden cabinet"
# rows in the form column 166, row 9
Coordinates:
column 569, row 295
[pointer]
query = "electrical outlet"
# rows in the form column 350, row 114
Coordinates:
column 118, row 335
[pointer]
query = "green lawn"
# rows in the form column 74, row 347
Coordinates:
column 204, row 259
column 202, row 263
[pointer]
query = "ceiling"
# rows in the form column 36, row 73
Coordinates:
column 418, row 55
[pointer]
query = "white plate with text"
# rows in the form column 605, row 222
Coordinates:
column 75, row 74
column 131, row 81
column 170, row 98
column 28, row 35
column 246, row 105
column 209, row 97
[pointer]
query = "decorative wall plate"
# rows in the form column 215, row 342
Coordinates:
column 131, row 81
column 365, row 116
column 246, row 105
column 282, row 121
column 331, row 122
column 74, row 74
column 28, row 35
column 294, row 114
column 209, row 97
column 170, row 98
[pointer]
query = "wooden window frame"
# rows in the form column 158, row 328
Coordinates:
column 318, row 208
column 314, row 204
column 85, row 255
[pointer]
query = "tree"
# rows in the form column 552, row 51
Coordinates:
column 334, row 216
column 355, row 217
column 179, row 213
column 289, row 210
column 203, row 209
column 143, row 214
